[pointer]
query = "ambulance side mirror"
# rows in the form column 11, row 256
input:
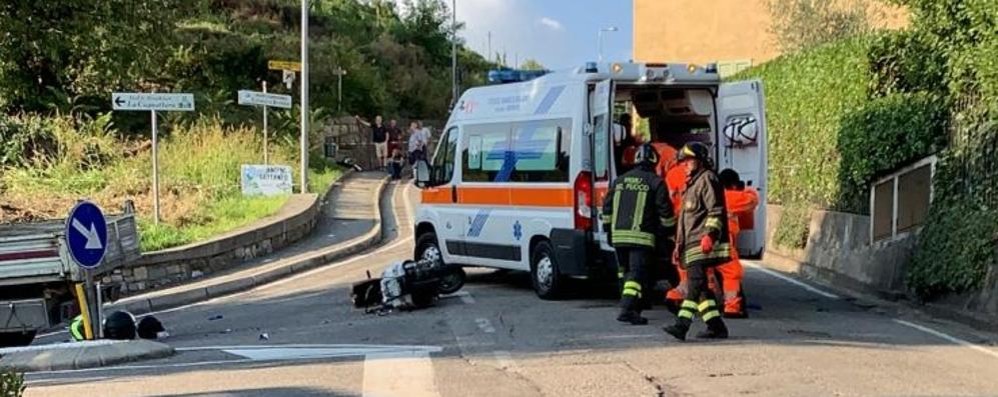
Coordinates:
column 422, row 169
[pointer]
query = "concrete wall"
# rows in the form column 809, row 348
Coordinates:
column 838, row 251
column 716, row 30
column 295, row 220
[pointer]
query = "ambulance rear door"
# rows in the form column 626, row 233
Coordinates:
column 601, row 144
column 741, row 145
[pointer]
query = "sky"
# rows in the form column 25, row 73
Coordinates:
column 557, row 33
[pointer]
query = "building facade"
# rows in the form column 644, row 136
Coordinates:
column 734, row 33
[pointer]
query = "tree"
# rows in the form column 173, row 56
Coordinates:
column 531, row 64
column 70, row 54
column 799, row 24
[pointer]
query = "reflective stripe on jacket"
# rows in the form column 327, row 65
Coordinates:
column 703, row 214
column 636, row 209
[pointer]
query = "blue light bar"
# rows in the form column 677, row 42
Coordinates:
column 505, row 76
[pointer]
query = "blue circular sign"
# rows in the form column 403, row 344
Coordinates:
column 86, row 234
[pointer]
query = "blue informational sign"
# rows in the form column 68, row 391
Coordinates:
column 86, row 234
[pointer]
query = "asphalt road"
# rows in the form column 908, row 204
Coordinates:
column 496, row 338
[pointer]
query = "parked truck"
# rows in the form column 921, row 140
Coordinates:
column 37, row 274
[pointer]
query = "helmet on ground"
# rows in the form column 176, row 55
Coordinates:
column 149, row 327
column 646, row 155
column 119, row 325
column 695, row 150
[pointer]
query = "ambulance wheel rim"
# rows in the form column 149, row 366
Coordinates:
column 545, row 272
column 431, row 252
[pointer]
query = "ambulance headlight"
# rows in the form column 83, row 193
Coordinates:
column 691, row 68
column 617, row 68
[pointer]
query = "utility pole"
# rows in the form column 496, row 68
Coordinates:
column 453, row 50
column 339, row 89
column 304, row 96
column 490, row 46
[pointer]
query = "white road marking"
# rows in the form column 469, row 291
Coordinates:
column 948, row 337
column 505, row 360
column 464, row 295
column 485, row 325
column 790, row 280
column 138, row 367
column 399, row 373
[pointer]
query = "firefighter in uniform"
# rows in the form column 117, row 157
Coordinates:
column 702, row 242
column 636, row 216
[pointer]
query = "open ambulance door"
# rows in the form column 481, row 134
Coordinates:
column 741, row 145
column 601, row 151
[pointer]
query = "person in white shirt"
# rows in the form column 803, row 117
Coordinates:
column 418, row 141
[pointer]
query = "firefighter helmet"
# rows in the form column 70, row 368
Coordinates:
column 695, row 150
column 646, row 155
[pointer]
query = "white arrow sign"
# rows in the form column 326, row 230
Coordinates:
column 93, row 239
column 247, row 97
column 152, row 101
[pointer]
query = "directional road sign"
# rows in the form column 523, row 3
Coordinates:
column 86, row 234
column 152, row 101
column 284, row 65
column 247, row 97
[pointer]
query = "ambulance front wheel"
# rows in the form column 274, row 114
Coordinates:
column 544, row 272
column 427, row 248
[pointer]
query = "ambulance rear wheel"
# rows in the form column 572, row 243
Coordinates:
column 544, row 272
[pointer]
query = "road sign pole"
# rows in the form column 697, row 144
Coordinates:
column 304, row 96
column 155, row 169
column 265, row 127
column 95, row 324
column 100, row 307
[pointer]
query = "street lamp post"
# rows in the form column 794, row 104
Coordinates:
column 453, row 50
column 599, row 40
column 304, row 96
column 339, row 88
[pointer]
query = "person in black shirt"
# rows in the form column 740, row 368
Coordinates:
column 379, row 136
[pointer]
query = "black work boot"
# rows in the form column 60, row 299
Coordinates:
column 632, row 316
column 715, row 330
column 679, row 329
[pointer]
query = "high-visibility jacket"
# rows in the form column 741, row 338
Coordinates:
column 675, row 179
column 703, row 214
column 76, row 328
column 738, row 204
column 636, row 210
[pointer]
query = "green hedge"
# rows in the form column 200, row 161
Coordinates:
column 883, row 135
column 11, row 383
column 808, row 95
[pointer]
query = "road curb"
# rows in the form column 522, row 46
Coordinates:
column 337, row 252
column 84, row 355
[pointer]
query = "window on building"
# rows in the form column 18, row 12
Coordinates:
column 900, row 202
column 732, row 67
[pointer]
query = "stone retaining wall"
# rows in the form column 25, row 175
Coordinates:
column 839, row 251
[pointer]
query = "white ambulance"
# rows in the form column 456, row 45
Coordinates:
column 520, row 170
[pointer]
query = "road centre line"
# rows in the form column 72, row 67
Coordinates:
column 948, row 337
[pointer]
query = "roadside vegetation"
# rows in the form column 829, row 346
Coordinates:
column 60, row 142
column 848, row 108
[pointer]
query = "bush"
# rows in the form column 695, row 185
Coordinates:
column 904, row 62
column 957, row 243
column 23, row 139
column 11, row 383
column 808, row 95
column 883, row 135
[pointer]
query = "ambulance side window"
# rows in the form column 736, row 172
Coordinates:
column 486, row 148
column 542, row 149
column 601, row 164
column 443, row 162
